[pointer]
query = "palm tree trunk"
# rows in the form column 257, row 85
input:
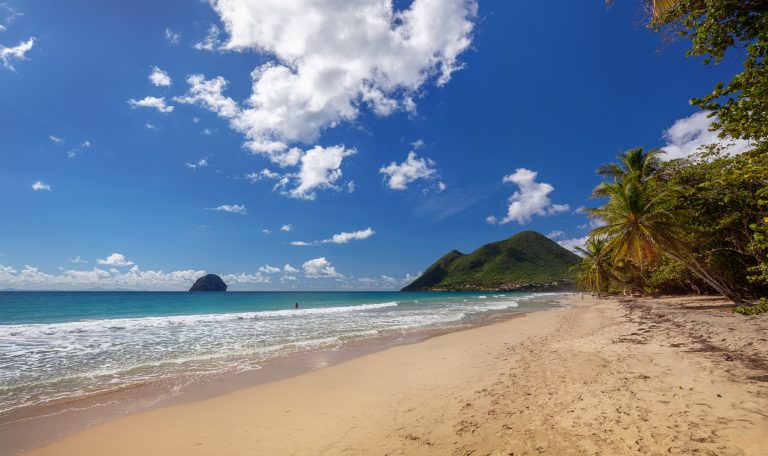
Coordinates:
column 697, row 269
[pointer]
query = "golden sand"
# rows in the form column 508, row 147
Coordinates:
column 597, row 378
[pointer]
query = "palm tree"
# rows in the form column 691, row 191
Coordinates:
column 633, row 163
column 640, row 227
column 595, row 268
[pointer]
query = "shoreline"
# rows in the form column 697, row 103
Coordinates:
column 650, row 376
column 20, row 429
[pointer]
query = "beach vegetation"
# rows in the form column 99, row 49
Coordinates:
column 698, row 224
column 760, row 308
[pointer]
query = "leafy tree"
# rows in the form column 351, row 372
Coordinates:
column 642, row 223
column 595, row 269
column 715, row 27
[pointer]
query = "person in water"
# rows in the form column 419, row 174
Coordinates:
column 296, row 306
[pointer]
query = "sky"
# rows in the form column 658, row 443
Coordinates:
column 316, row 145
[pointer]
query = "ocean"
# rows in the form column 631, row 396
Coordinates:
column 56, row 346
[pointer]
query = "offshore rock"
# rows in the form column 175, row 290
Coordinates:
column 209, row 282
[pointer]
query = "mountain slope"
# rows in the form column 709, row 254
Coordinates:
column 527, row 260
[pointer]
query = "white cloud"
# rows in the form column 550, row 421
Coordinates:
column 687, row 135
column 267, row 269
column 418, row 144
column 399, row 176
column 9, row 55
column 77, row 259
column 286, row 228
column 31, row 278
column 263, row 174
column 290, row 269
column 116, row 259
column 211, row 41
column 390, row 280
column 531, row 198
column 344, row 237
column 55, row 139
column 571, row 244
column 171, row 36
column 320, row 168
column 245, row 278
column 40, row 185
column 202, row 163
column 491, row 220
column 319, row 268
column 233, row 208
column 159, row 78
column 555, row 234
column 150, row 126
column 331, row 58
column 265, row 231
column 341, row 238
column 151, row 102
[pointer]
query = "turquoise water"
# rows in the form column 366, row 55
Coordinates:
column 58, row 345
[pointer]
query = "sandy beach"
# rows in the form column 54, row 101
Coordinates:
column 676, row 376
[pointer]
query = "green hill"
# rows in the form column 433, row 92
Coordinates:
column 526, row 261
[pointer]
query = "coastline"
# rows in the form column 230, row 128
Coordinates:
column 596, row 376
column 31, row 427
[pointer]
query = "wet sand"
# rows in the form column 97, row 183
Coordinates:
column 676, row 376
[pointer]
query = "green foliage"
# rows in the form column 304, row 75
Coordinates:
column 695, row 224
column 758, row 309
column 526, row 257
column 715, row 27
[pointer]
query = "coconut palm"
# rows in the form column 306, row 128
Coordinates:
column 640, row 227
column 594, row 270
column 633, row 163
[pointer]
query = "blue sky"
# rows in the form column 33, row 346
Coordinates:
column 110, row 143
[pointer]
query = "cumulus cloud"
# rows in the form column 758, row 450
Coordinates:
column 171, row 36
column 116, row 259
column 344, row 237
column 341, row 238
column 320, row 268
column 289, row 269
column 286, row 228
column 399, row 176
column 328, row 59
column 233, row 208
column 159, row 78
column 326, row 62
column 689, row 134
column 10, row 55
column 31, row 278
column 77, row 259
column 40, row 185
column 55, row 139
column 151, row 102
column 245, row 278
column 571, row 244
column 267, row 269
column 319, row 168
column 531, row 198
